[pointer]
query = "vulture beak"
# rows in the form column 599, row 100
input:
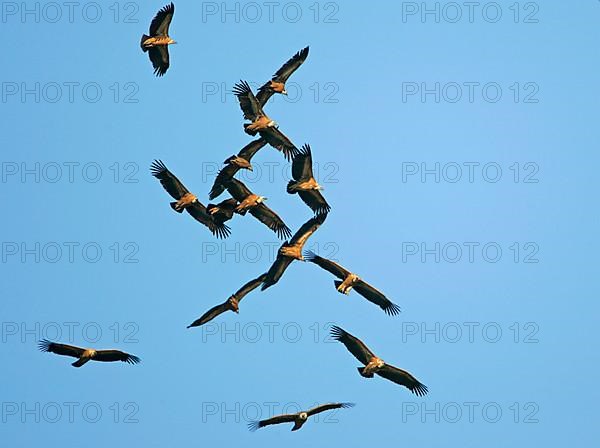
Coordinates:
column 284, row 92
column 250, row 168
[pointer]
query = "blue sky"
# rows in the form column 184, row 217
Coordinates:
column 458, row 156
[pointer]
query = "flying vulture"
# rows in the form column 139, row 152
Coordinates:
column 223, row 211
column 231, row 304
column 86, row 354
column 350, row 281
column 157, row 43
column 234, row 164
column 186, row 200
column 261, row 123
column 299, row 419
column 291, row 251
column 277, row 82
column 305, row 184
column 373, row 364
column 253, row 203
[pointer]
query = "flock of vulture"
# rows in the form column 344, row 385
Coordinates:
column 243, row 201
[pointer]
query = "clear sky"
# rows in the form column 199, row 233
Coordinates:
column 457, row 148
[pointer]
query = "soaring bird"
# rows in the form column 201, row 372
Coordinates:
column 291, row 251
column 304, row 182
column 231, row 304
column 253, row 203
column 86, row 354
column 157, row 43
column 234, row 164
column 184, row 200
column 277, row 82
column 350, row 280
column 373, row 364
column 261, row 123
column 299, row 419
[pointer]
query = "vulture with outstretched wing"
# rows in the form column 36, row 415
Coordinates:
column 375, row 365
column 184, row 200
column 86, row 354
column 261, row 123
column 157, row 43
column 250, row 202
column 231, row 304
column 304, row 182
column 291, row 251
column 234, row 164
column 299, row 418
column 277, row 82
column 352, row 281
column 223, row 211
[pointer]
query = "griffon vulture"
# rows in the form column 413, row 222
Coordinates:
column 223, row 211
column 350, row 280
column 253, row 203
column 186, row 200
column 291, row 251
column 157, row 43
column 86, row 354
column 234, row 164
column 261, row 123
column 299, row 419
column 277, row 82
column 305, row 184
column 231, row 304
column 373, row 364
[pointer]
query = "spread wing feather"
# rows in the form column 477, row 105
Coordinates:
column 159, row 56
column 353, row 344
column 327, row 407
column 278, row 140
column 115, row 355
column 60, row 349
column 328, row 265
column 168, row 180
column 248, row 103
column 307, row 229
column 377, row 297
column 403, row 378
column 285, row 418
column 198, row 211
column 315, row 200
column 162, row 20
column 302, row 164
column 276, row 271
column 271, row 219
column 282, row 75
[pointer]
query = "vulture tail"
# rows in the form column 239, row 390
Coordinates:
column 247, row 131
column 291, row 187
column 337, row 283
column 80, row 362
column 145, row 37
column 362, row 373
column 174, row 207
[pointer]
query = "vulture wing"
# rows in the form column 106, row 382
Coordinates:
column 248, row 102
column 353, row 344
column 198, row 211
column 302, row 164
column 115, row 355
column 222, row 178
column 403, row 378
column 162, row 20
column 327, row 407
column 307, row 229
column 237, row 189
column 285, row 418
column 315, row 200
column 60, row 349
column 210, row 315
column 249, row 287
column 276, row 271
column 159, row 56
column 377, row 297
column 328, row 265
column 248, row 151
column 279, row 141
column 282, row 75
column 271, row 219
column 169, row 182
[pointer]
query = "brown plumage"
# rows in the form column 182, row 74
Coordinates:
column 157, row 43
column 223, row 211
column 299, row 418
column 291, row 251
column 86, row 354
column 352, row 281
column 234, row 164
column 374, row 365
column 184, row 200
column 261, row 123
column 231, row 304
column 253, row 203
column 304, row 182
column 277, row 82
